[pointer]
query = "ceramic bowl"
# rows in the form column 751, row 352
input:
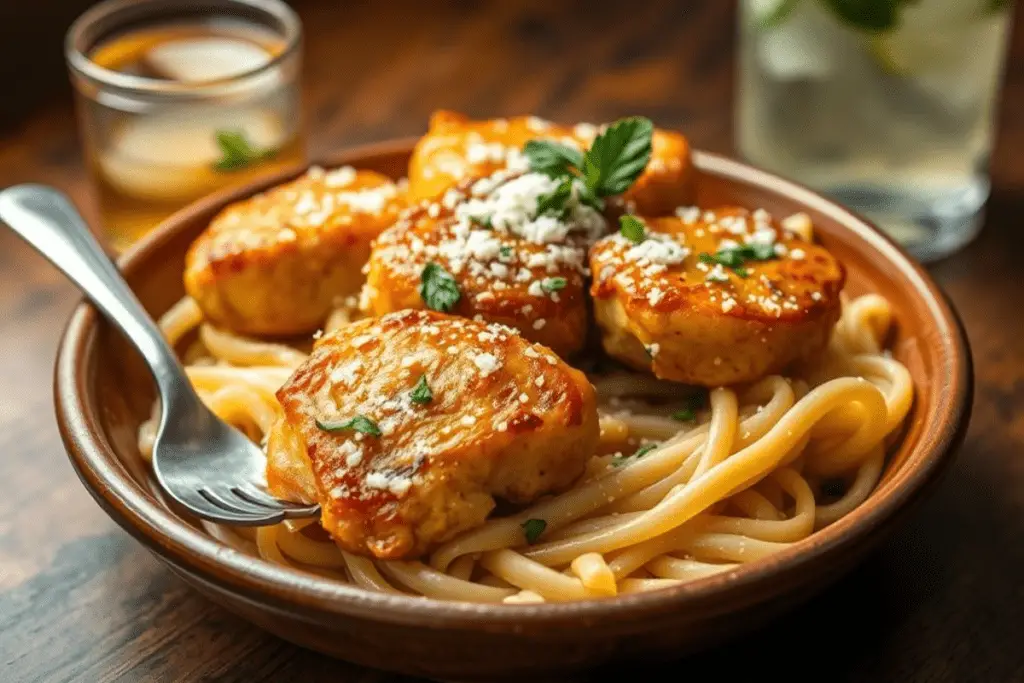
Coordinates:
column 103, row 393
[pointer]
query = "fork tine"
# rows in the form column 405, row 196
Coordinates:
column 232, row 505
column 259, row 498
column 207, row 509
column 254, row 494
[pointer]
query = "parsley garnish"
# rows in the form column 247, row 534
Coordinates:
column 619, row 460
column 735, row 257
column 645, row 449
column 555, row 202
column 421, row 393
column 553, row 284
column 483, row 222
column 505, row 253
column 358, row 423
column 552, row 158
column 533, row 528
column 632, row 229
column 237, row 151
column 618, row 156
column 438, row 288
column 693, row 403
column 614, row 161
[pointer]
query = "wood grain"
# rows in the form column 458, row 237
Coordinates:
column 81, row 601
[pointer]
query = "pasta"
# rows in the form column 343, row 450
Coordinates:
column 759, row 470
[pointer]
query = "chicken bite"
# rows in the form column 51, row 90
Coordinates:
column 405, row 428
column 457, row 148
column 714, row 298
column 504, row 259
column 279, row 262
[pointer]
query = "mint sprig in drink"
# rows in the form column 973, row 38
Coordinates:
column 885, row 104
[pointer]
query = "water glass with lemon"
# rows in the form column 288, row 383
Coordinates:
column 886, row 105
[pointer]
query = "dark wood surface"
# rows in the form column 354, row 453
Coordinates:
column 941, row 601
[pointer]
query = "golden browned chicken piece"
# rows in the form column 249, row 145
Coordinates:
column 277, row 263
column 502, row 261
column 714, row 298
column 405, row 428
column 456, row 148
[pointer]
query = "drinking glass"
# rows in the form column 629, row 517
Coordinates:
column 886, row 105
column 178, row 99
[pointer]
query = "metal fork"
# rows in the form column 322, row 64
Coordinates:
column 205, row 464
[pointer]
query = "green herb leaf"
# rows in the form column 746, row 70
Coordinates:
column 555, row 201
column 618, row 156
column 586, row 196
column 735, row 257
column 237, row 151
column 645, row 449
column 632, row 229
column 731, row 258
column 552, row 158
column 553, row 284
column 693, row 403
column 684, row 415
column 438, row 288
column 620, row 460
column 483, row 222
column 358, row 423
column 533, row 528
column 867, row 15
column 421, row 393
column 505, row 253
column 760, row 251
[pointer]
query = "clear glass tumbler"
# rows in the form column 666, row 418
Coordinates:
column 178, row 99
column 886, row 105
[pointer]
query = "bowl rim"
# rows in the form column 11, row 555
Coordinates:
column 184, row 546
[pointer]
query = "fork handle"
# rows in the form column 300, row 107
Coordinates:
column 47, row 220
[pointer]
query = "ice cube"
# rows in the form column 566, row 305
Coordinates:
column 170, row 157
column 194, row 60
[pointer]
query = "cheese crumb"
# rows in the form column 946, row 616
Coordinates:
column 487, row 363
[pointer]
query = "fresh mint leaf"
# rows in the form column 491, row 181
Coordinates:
column 438, row 288
column 873, row 16
column 618, row 156
column 358, row 423
column 237, row 151
column 552, row 158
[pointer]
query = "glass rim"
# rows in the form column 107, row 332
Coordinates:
column 80, row 64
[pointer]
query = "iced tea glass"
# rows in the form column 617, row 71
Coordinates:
column 178, row 99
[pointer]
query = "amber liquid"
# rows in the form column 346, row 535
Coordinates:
column 151, row 157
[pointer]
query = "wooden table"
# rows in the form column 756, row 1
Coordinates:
column 942, row 601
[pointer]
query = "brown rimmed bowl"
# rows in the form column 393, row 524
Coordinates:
column 103, row 393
